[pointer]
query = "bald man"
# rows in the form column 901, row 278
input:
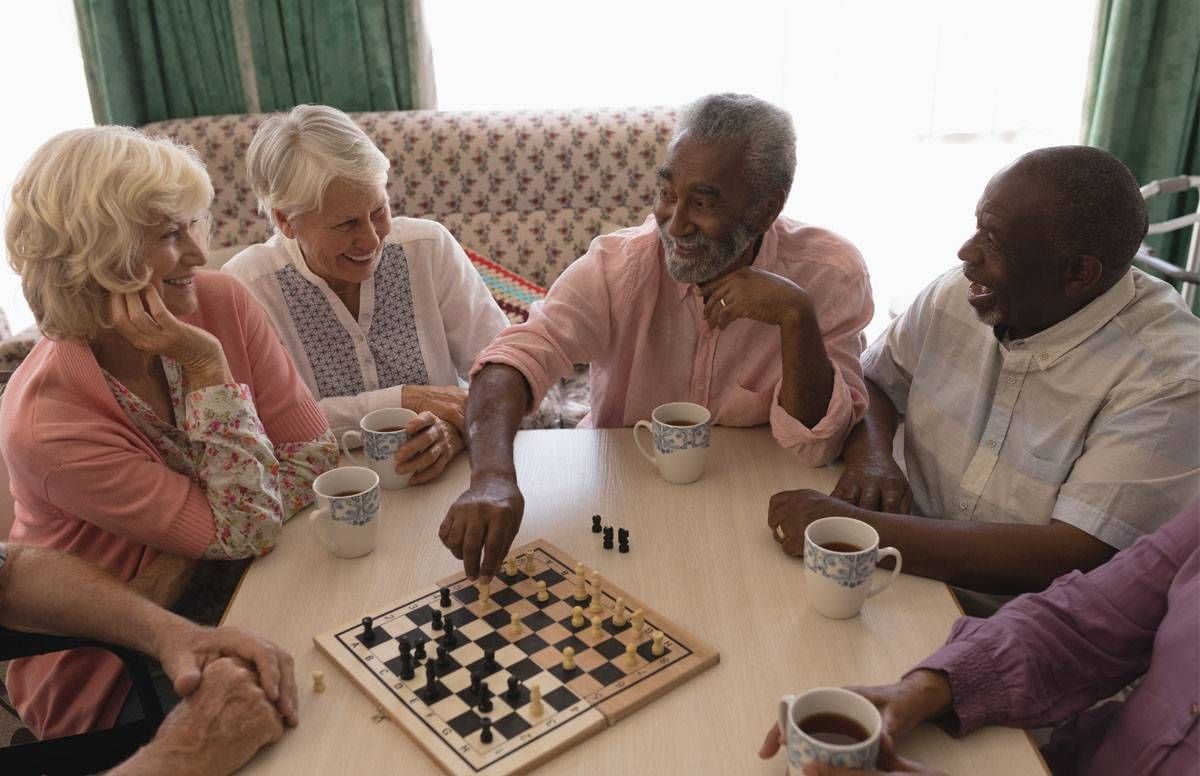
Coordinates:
column 1050, row 393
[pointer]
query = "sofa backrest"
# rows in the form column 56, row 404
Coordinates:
column 528, row 189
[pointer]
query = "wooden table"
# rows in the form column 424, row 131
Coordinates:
column 701, row 554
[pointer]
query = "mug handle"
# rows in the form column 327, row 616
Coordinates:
column 637, row 438
column 785, row 715
column 347, row 444
column 886, row 552
column 319, row 520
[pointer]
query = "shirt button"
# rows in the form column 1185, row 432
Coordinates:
column 1043, row 356
column 1011, row 379
column 962, row 505
column 991, row 443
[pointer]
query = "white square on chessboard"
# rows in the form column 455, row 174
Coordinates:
column 509, row 655
column 475, row 629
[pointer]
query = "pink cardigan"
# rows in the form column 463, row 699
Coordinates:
column 85, row 481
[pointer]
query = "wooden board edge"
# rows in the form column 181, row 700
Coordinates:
column 656, row 686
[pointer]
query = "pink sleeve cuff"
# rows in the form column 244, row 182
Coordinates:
column 537, row 377
column 821, row 444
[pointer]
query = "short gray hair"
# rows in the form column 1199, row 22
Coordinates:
column 294, row 157
column 763, row 130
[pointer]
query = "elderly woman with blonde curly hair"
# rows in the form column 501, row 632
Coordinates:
column 376, row 311
column 160, row 421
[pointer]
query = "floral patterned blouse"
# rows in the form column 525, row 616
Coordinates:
column 219, row 442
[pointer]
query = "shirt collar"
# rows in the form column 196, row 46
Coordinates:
column 764, row 259
column 1058, row 340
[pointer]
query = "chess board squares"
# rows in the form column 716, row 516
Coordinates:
column 474, row 630
column 607, row 674
column 584, row 685
column 505, row 596
column 467, row 594
column 526, row 588
column 557, row 611
column 537, row 621
column 467, row 654
column 530, row 643
column 524, row 670
column 492, row 640
column 569, row 641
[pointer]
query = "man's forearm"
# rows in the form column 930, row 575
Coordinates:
column 498, row 399
column 52, row 592
column 874, row 433
column 807, row 384
column 999, row 558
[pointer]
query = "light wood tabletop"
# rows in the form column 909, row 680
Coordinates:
column 701, row 554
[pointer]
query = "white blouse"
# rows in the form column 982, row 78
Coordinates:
column 422, row 318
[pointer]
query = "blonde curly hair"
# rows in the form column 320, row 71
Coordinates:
column 77, row 224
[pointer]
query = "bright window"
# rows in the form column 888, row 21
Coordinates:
column 903, row 110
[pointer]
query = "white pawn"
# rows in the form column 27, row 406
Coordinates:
column 510, row 568
column 631, row 654
column 596, row 608
column 656, row 648
column 619, row 617
column 485, row 595
column 577, row 616
column 318, row 681
column 639, row 620
column 569, row 659
column 535, row 701
column 597, row 626
column 542, row 594
column 516, row 624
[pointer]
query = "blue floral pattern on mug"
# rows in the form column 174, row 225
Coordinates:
column 380, row 446
column 848, row 570
column 801, row 751
column 671, row 439
column 359, row 509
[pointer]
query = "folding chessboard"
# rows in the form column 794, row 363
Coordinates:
column 601, row 689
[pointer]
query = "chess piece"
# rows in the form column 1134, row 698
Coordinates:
column 569, row 659
column 529, row 562
column 513, row 695
column 443, row 658
column 542, row 594
column 516, row 624
column 318, row 681
column 445, row 598
column 510, row 568
column 619, row 617
column 436, row 622
column 597, row 626
column 429, row 694
column 608, row 538
column 631, row 654
column 580, row 583
column 406, row 662
column 596, row 608
column 535, row 701
column 489, row 660
column 448, row 638
column 476, row 683
column 485, row 730
column 639, row 621
column 595, row 523
column 485, row 595
column 419, row 652
column 657, row 647
column 577, row 617
column 623, row 540
column 368, row 632
column 485, row 697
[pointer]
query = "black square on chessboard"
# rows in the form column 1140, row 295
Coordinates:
column 378, row 636
column 493, row 641
column 533, row 599
column 610, row 648
column 393, row 665
column 506, row 596
column 571, row 641
column 451, row 663
column 560, row 698
column 607, row 674
column 531, row 644
column 413, row 636
column 461, row 617
column 420, row 616
column 549, row 576
column 524, row 670
column 537, row 621
column 468, row 594
column 566, row 623
column 466, row 723
column 614, row 629
column 646, row 651
column 511, row 725
column 498, row 619
column 562, row 674
column 442, row 692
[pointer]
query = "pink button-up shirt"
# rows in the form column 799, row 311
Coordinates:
column 645, row 337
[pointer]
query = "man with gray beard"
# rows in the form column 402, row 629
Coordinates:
column 716, row 299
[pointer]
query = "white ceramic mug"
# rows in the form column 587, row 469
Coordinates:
column 346, row 518
column 803, row 748
column 679, row 432
column 381, row 436
column 839, row 577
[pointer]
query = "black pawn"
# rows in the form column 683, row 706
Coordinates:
column 431, row 675
column 623, row 534
column 443, row 659
column 450, row 640
column 419, row 653
column 368, row 632
column 514, row 690
column 485, row 730
column 608, row 538
column 437, row 619
column 485, row 698
column 406, row 661
column 489, row 660
column 444, row 602
column 476, row 682
column 595, row 523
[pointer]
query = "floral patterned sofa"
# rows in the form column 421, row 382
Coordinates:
column 526, row 189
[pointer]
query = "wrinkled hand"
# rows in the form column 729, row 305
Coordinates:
column 432, row 443
column 791, row 511
column 185, row 650
column 485, row 519
column 921, row 695
column 875, row 483
column 752, row 293
column 145, row 321
column 220, row 726
column 448, row 402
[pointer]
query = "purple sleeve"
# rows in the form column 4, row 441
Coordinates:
column 1047, row 656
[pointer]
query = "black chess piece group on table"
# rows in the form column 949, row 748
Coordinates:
column 607, row 530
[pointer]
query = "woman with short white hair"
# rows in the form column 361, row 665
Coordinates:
column 160, row 421
column 376, row 311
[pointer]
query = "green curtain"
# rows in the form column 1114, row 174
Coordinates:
column 1143, row 100
column 148, row 60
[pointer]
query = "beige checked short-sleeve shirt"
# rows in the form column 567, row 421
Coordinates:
column 1094, row 422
